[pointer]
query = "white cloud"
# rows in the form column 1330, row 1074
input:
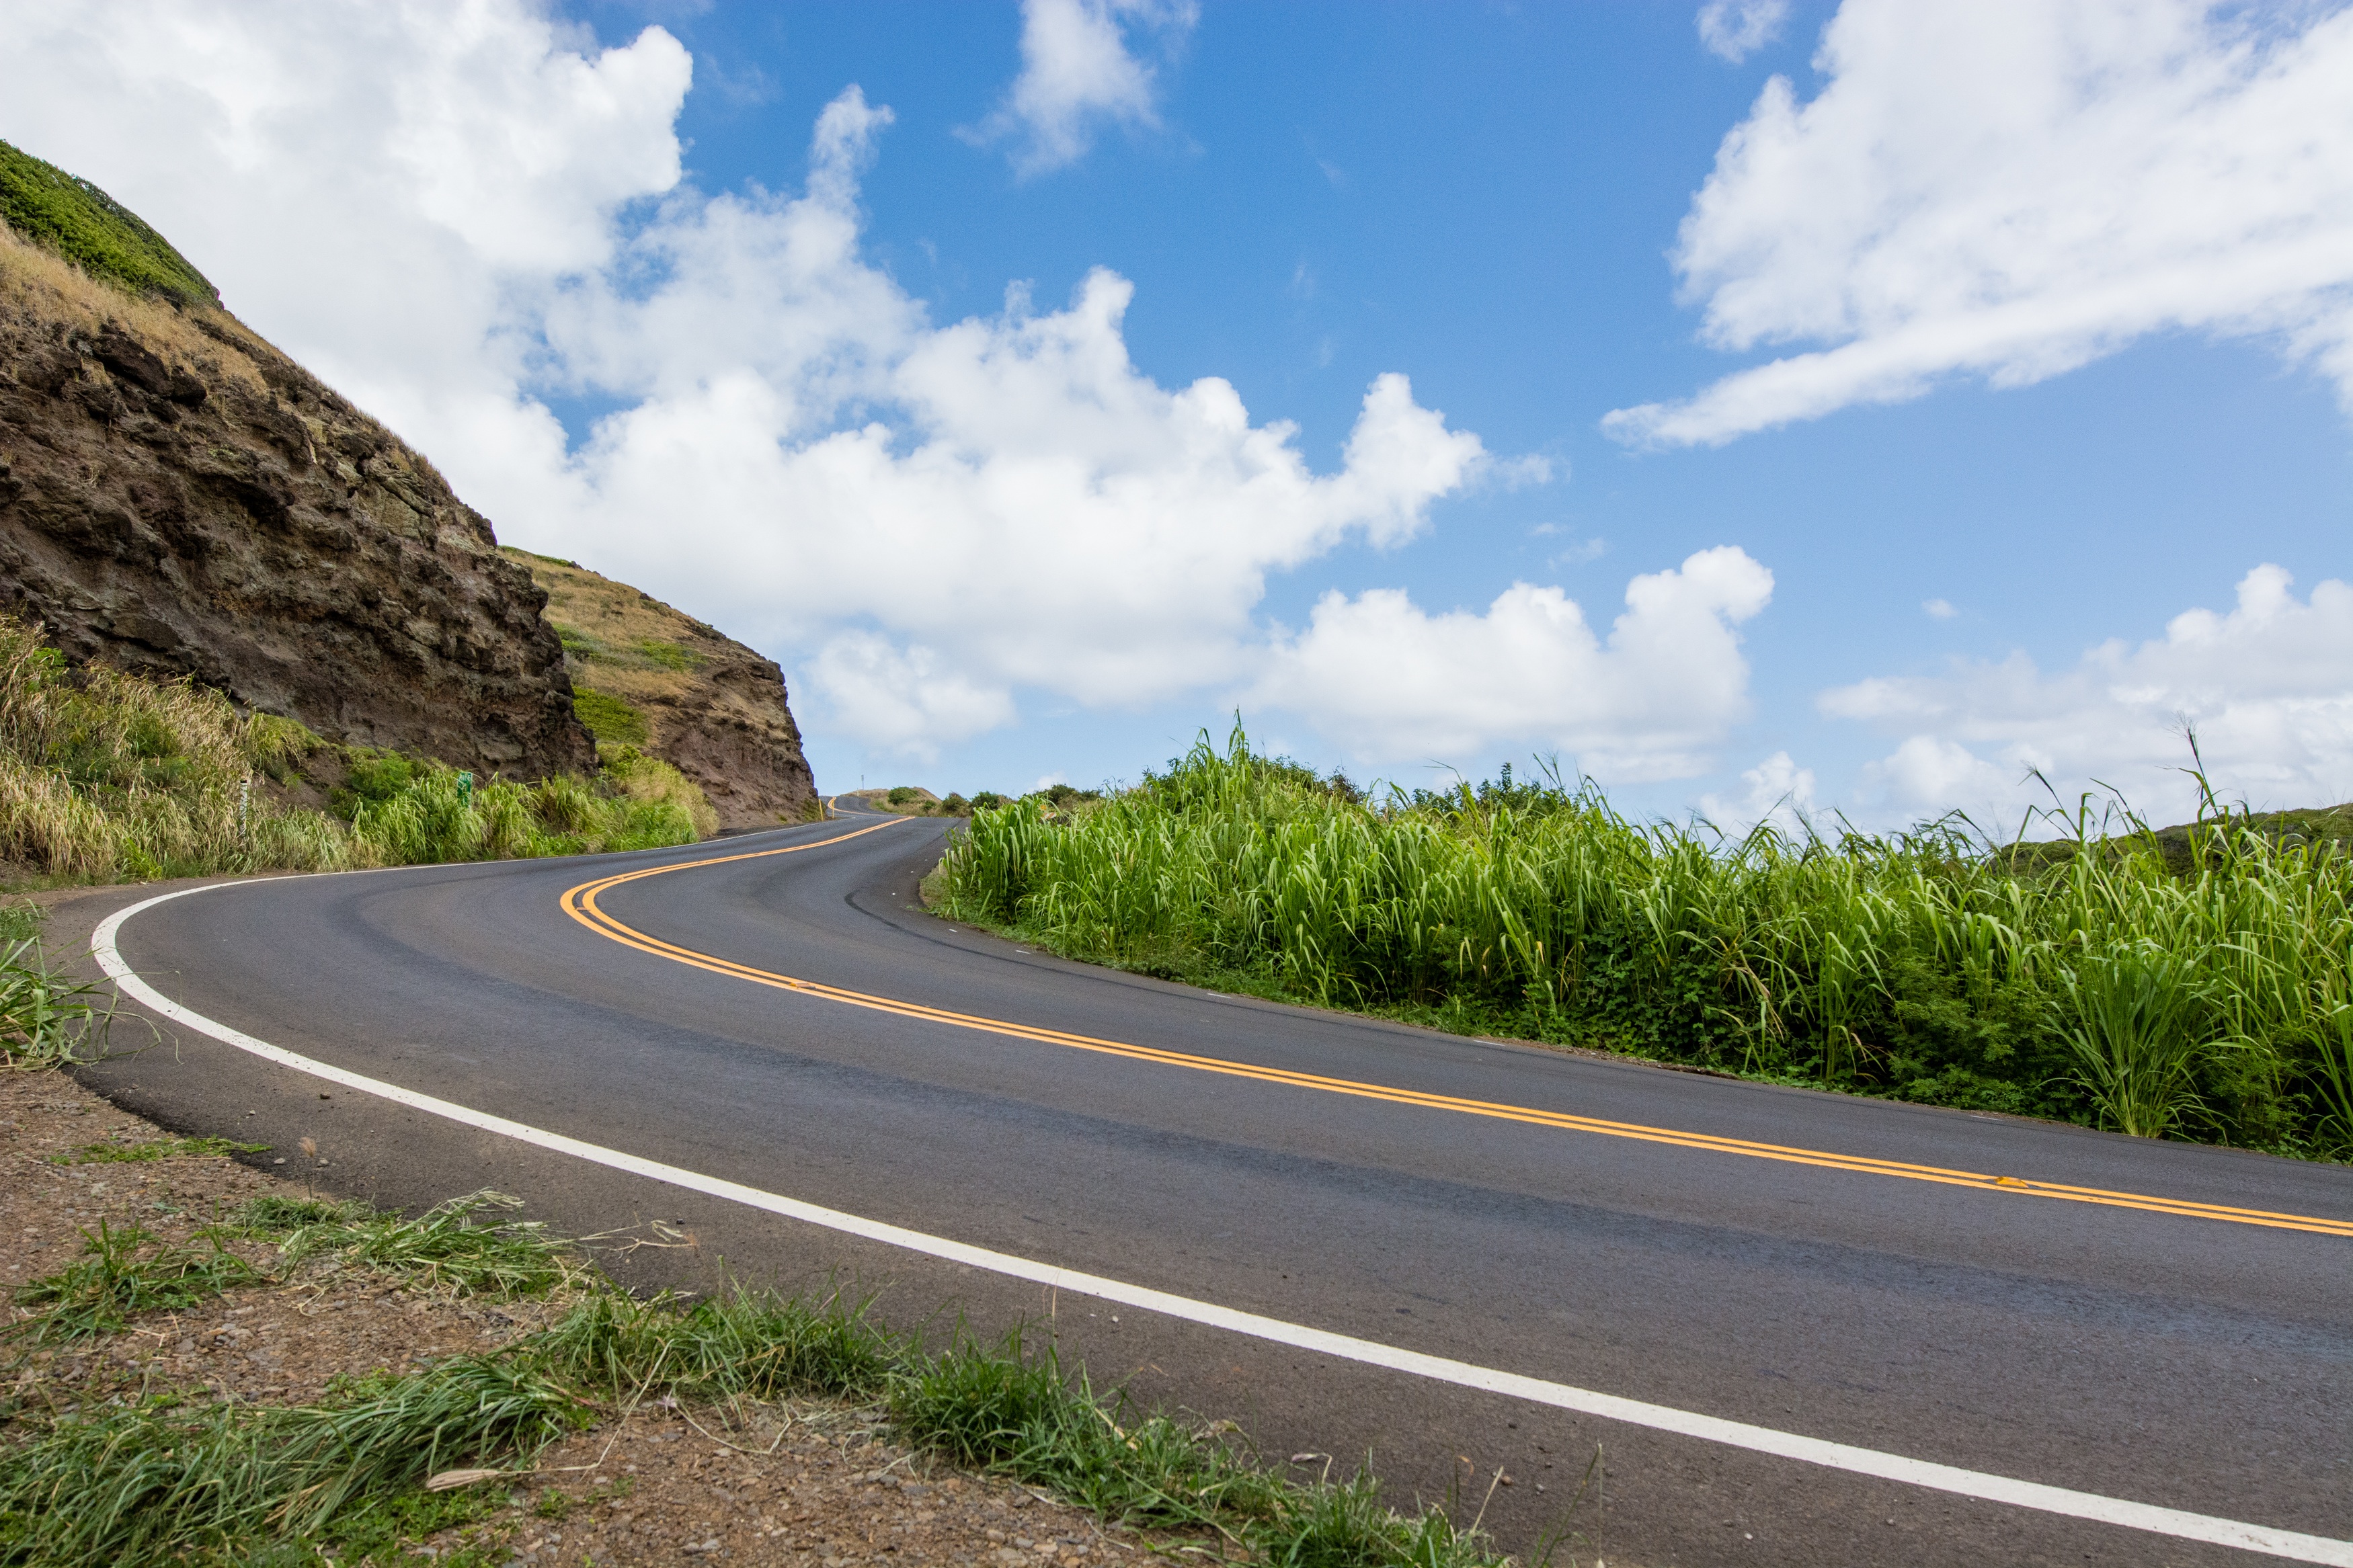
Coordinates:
column 1938, row 609
column 1735, row 29
column 2014, row 188
column 1078, row 72
column 1392, row 683
column 1778, row 791
column 2267, row 685
column 933, row 518
column 902, row 702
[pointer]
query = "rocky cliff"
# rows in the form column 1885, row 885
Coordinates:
column 178, row 497
column 650, row 676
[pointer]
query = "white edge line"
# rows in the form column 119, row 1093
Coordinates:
column 2175, row 1523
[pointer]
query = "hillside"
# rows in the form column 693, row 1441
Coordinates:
column 177, row 498
column 646, row 674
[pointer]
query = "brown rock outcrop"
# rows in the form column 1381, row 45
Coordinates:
column 651, row 676
column 179, row 498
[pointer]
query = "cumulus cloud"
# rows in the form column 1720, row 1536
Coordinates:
column 931, row 517
column 1392, row 683
column 1776, row 790
column 1078, row 72
column 1735, row 29
column 902, row 702
column 2267, row 685
column 2011, row 189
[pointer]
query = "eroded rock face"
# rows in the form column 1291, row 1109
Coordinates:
column 178, row 497
column 704, row 703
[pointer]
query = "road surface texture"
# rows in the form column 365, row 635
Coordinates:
column 1499, row 1207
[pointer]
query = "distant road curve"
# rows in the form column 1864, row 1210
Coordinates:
column 1804, row 1328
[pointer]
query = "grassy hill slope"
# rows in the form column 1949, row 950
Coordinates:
column 646, row 674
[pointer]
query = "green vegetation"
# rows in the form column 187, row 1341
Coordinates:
column 912, row 801
column 643, row 653
column 608, row 717
column 121, row 1272
column 447, row 1248
column 46, row 1020
column 1008, row 1408
column 108, row 777
column 163, row 1481
column 2208, row 995
column 668, row 655
column 90, row 228
column 171, row 1478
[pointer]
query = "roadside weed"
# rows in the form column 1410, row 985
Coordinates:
column 448, row 1247
column 121, row 1272
column 152, row 1482
column 45, row 1020
column 165, row 1479
column 739, row 1345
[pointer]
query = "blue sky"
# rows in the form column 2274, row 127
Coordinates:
column 1485, row 199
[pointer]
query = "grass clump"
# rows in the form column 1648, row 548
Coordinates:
column 912, row 800
column 414, row 811
column 665, row 655
column 121, row 1272
column 448, row 1247
column 2201, row 988
column 160, row 1482
column 46, row 1020
column 83, row 224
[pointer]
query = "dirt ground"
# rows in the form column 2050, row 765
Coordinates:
column 805, row 1482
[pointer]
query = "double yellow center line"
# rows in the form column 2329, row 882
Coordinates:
column 581, row 904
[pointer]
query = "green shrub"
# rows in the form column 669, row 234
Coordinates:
column 373, row 777
column 577, row 643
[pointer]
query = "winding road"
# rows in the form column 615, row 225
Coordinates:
column 1797, row 1328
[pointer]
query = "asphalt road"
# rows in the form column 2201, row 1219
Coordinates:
column 2163, row 1357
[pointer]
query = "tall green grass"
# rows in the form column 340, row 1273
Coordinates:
column 2210, row 998
column 107, row 776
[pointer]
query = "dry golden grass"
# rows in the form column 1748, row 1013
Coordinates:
column 51, row 288
column 618, row 622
